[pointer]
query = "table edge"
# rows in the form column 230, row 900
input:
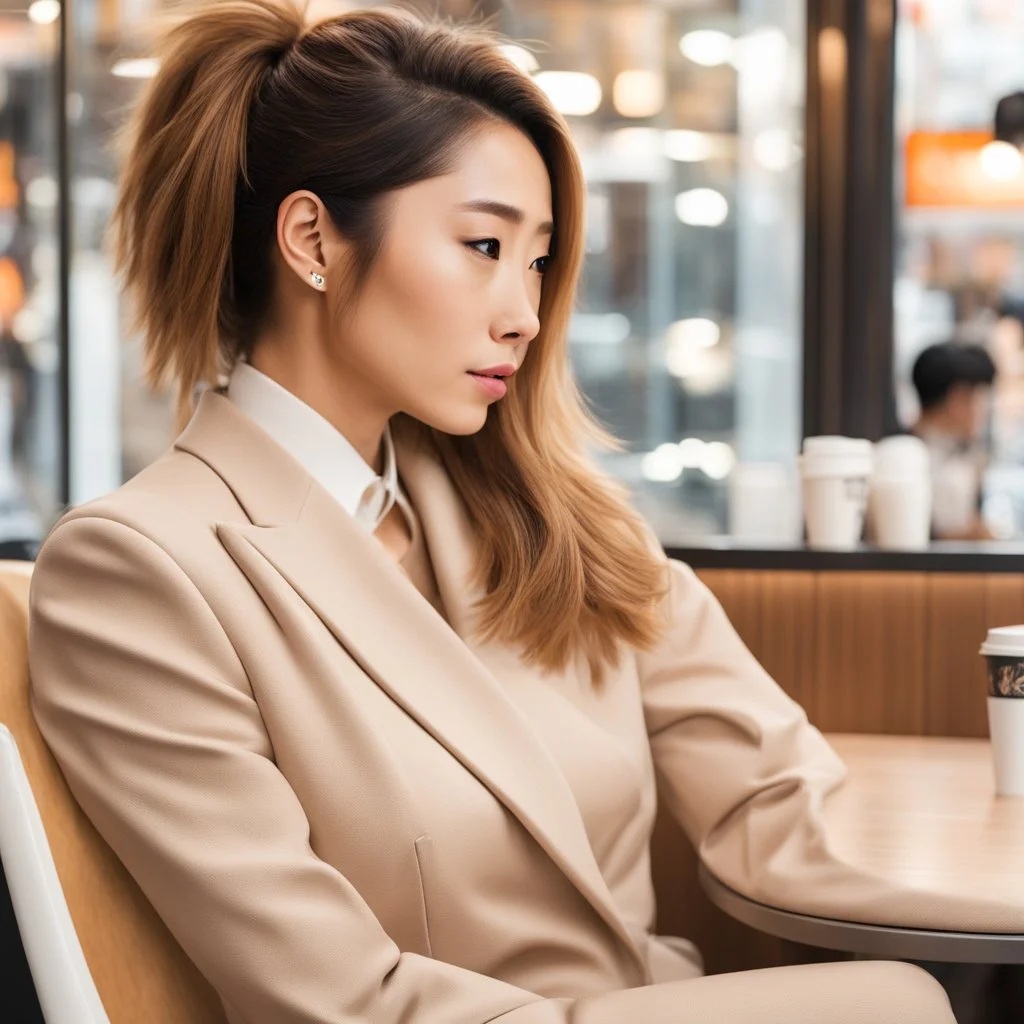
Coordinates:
column 854, row 937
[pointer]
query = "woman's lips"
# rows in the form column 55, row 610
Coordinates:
column 495, row 387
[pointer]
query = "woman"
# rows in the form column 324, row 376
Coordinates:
column 374, row 719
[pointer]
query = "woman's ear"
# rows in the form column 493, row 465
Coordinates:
column 306, row 238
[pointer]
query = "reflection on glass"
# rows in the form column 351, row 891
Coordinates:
column 29, row 421
column 688, row 331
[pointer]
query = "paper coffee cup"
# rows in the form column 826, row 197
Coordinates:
column 764, row 504
column 1004, row 650
column 900, row 498
column 834, row 472
column 901, row 512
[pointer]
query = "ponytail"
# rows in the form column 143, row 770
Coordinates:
column 183, row 152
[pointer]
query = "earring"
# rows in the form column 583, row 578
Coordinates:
column 318, row 279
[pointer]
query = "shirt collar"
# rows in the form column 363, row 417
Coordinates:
column 322, row 450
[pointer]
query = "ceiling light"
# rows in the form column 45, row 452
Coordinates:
column 702, row 207
column 697, row 332
column 687, row 146
column 44, row 12
column 140, row 67
column 521, row 57
column 691, row 450
column 717, row 460
column 663, row 465
column 643, row 143
column 638, row 93
column 571, row 92
column 42, row 193
column 1001, row 161
column 707, row 47
column 774, row 149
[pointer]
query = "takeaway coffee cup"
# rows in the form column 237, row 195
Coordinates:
column 764, row 504
column 834, row 472
column 1004, row 649
column 900, row 498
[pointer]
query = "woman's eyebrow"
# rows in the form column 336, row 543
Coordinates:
column 510, row 213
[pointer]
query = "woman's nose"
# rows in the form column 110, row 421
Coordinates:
column 521, row 323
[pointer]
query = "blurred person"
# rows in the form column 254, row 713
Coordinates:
column 954, row 384
column 369, row 680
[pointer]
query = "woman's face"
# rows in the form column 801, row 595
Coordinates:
column 455, row 290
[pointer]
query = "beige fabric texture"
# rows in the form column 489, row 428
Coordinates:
column 327, row 794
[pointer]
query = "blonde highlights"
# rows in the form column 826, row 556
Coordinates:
column 252, row 103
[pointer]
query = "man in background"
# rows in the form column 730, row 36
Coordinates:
column 954, row 385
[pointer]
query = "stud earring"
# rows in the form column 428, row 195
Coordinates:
column 318, row 279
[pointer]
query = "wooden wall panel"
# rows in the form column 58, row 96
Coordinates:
column 871, row 651
column 1004, row 600
column 741, row 595
column 869, row 644
column 957, row 622
column 787, row 605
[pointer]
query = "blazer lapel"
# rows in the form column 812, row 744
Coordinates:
column 394, row 633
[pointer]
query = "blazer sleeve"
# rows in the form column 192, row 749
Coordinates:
column 739, row 765
column 140, row 696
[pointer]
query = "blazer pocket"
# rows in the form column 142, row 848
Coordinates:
column 424, row 847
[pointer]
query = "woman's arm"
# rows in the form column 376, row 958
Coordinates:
column 740, row 767
column 746, row 775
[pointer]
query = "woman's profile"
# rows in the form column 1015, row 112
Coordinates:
column 373, row 681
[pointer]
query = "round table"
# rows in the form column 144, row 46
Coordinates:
column 919, row 811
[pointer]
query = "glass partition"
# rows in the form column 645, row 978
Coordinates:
column 960, row 216
column 29, row 276
column 688, row 335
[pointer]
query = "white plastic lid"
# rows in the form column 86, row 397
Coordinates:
column 830, row 447
column 1004, row 642
column 902, row 456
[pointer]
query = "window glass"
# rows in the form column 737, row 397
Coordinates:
column 29, row 276
column 960, row 216
column 687, row 339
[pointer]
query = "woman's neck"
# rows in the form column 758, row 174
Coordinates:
column 312, row 379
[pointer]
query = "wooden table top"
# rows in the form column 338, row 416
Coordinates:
column 922, row 812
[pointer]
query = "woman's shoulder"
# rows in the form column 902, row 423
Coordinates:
column 174, row 503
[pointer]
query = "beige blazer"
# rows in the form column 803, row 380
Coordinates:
column 325, row 791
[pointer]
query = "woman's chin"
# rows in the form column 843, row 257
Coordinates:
column 459, row 422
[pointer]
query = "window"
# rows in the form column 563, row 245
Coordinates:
column 960, row 215
column 688, row 335
column 30, row 416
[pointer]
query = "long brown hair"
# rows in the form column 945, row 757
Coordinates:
column 252, row 102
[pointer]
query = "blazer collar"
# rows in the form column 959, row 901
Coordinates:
column 437, row 672
column 267, row 482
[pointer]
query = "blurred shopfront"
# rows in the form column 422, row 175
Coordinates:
column 689, row 118
column 960, row 212
column 742, row 157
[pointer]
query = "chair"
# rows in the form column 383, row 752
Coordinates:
column 97, row 950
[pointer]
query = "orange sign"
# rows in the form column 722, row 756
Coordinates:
column 8, row 184
column 967, row 169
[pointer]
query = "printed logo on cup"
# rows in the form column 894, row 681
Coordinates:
column 1004, row 649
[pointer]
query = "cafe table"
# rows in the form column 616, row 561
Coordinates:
column 920, row 812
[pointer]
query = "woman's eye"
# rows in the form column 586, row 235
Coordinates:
column 489, row 247
column 542, row 264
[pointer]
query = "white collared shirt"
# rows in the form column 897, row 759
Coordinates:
column 323, row 451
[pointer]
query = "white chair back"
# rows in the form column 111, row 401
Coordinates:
column 63, row 983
